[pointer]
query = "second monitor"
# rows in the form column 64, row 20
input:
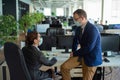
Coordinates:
column 64, row 42
column 110, row 42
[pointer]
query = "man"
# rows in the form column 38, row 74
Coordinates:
column 89, row 54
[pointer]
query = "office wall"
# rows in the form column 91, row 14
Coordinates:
column 8, row 8
column 0, row 7
column 31, row 7
column 107, row 11
column 112, row 11
column 26, row 1
column 23, row 8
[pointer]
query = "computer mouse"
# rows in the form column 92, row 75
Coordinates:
column 106, row 60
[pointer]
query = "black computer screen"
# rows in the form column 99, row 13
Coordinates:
column 64, row 42
column 48, row 43
column 110, row 42
column 70, row 21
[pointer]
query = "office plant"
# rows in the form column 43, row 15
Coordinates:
column 29, row 20
column 8, row 29
column 38, row 17
column 26, row 22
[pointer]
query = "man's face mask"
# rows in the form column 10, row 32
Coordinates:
column 77, row 23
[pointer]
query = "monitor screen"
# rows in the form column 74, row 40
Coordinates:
column 70, row 21
column 42, row 28
column 117, row 26
column 64, row 42
column 114, row 26
column 119, row 43
column 110, row 42
column 48, row 43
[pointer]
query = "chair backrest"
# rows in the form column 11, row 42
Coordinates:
column 60, row 31
column 51, row 32
column 55, row 31
column 48, row 43
column 16, row 62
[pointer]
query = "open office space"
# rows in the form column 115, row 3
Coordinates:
column 53, row 19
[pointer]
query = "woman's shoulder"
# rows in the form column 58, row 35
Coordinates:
column 28, row 48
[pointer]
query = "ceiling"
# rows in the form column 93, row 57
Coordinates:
column 55, row 3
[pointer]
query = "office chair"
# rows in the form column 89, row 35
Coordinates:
column 55, row 31
column 48, row 43
column 60, row 31
column 16, row 63
column 51, row 32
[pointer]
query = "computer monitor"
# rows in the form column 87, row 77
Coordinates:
column 64, row 42
column 42, row 28
column 114, row 26
column 119, row 42
column 110, row 42
column 70, row 22
column 48, row 43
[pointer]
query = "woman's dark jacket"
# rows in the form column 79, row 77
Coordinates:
column 34, row 60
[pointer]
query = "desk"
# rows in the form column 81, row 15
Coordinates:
column 114, row 62
column 62, row 57
column 2, row 59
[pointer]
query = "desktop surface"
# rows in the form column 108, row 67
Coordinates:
column 114, row 61
column 2, row 58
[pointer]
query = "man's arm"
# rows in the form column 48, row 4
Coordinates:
column 75, row 43
column 89, row 44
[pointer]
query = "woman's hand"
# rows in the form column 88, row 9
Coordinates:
column 71, row 54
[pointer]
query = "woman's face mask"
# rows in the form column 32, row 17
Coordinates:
column 41, row 41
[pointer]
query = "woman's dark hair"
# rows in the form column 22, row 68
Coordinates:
column 30, row 37
column 81, row 12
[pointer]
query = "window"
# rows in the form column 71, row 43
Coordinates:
column 112, row 11
column 47, row 11
column 59, row 12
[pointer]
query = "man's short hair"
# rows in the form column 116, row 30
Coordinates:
column 81, row 12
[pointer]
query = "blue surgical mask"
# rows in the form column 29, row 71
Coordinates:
column 77, row 23
column 41, row 41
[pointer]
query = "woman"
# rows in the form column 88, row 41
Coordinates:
column 35, row 59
